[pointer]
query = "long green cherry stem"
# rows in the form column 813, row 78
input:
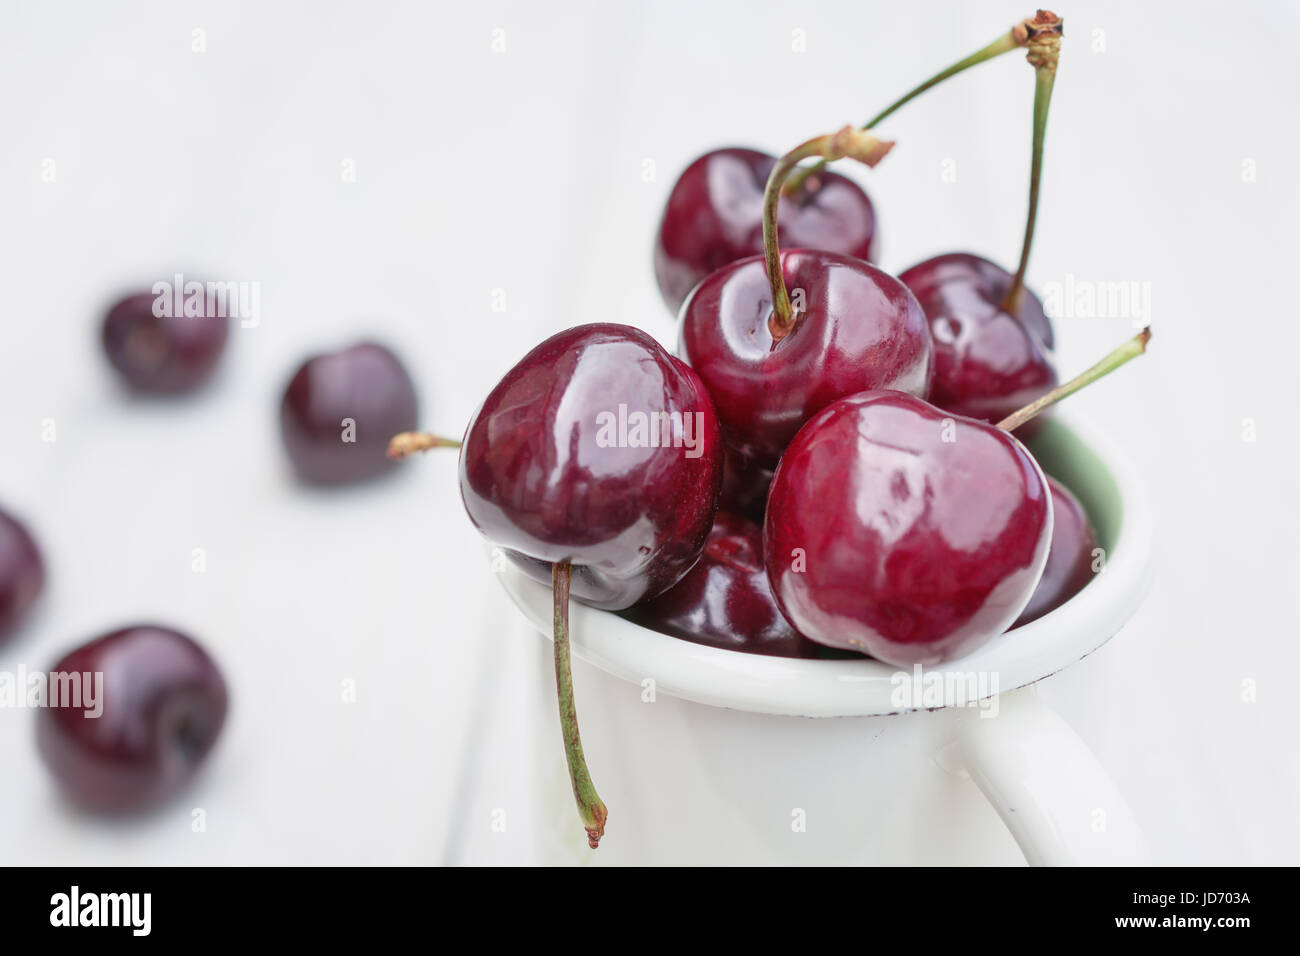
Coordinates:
column 1044, row 41
column 1129, row 350
column 590, row 807
column 409, row 443
column 861, row 145
column 1013, row 39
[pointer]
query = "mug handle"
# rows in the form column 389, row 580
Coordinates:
column 1050, row 790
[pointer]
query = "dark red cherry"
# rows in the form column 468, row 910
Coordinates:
column 340, row 410
column 725, row 600
column 856, row 328
column 715, row 216
column 987, row 362
column 163, row 354
column 898, row 531
column 558, row 464
column 22, row 574
column 744, row 486
column 160, row 705
column 1070, row 560
column 595, row 464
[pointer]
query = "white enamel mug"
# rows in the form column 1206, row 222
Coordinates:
column 709, row 756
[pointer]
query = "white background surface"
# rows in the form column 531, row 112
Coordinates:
column 522, row 171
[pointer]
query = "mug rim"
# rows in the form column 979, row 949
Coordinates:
column 759, row 683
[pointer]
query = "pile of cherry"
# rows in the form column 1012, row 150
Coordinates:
column 827, row 466
column 826, row 469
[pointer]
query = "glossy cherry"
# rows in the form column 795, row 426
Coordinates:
column 163, row 354
column 898, row 531
column 860, row 329
column 987, row 361
column 340, row 410
column 22, row 574
column 1070, row 560
column 771, row 358
column 163, row 705
column 725, row 601
column 714, row 216
column 544, row 474
column 595, row 463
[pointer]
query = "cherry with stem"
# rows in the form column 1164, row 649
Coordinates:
column 1013, row 39
column 601, row 522
column 770, row 363
column 861, row 145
